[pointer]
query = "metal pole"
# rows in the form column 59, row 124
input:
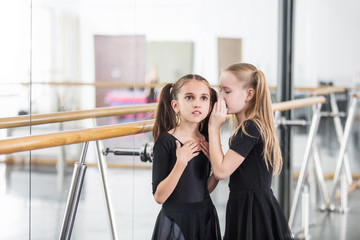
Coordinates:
column 277, row 118
column 104, row 180
column 103, row 173
column 60, row 164
column 339, row 162
column 305, row 213
column 320, row 177
column 304, row 165
column 344, row 195
column 74, row 195
column 284, row 93
column 339, row 134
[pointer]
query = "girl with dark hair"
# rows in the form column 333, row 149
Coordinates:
column 252, row 211
column 181, row 169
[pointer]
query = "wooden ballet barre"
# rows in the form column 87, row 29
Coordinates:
column 21, row 144
column 327, row 90
column 297, row 103
column 37, row 119
column 94, row 84
column 303, row 89
column 71, row 137
column 130, row 85
column 97, row 84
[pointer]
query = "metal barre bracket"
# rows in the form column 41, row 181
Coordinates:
column 331, row 114
column 145, row 152
column 285, row 122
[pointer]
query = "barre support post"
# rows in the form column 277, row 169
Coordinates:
column 320, row 177
column 74, row 195
column 340, row 134
column 304, row 165
column 341, row 160
column 103, row 173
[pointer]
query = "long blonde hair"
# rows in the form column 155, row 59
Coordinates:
column 260, row 112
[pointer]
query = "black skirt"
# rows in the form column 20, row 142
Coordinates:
column 255, row 215
column 187, row 221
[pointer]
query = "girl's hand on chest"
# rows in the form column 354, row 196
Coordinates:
column 187, row 151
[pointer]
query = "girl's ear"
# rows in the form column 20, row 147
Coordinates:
column 175, row 106
column 250, row 94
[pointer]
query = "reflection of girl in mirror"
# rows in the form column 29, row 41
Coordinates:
column 254, row 155
column 181, row 168
column 152, row 79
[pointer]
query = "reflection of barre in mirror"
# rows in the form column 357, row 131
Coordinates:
column 317, row 102
column 342, row 161
column 342, row 170
column 36, row 119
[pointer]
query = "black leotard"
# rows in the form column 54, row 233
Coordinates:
column 192, row 186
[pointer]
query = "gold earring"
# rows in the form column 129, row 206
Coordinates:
column 177, row 119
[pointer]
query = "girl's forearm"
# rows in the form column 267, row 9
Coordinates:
column 212, row 183
column 167, row 186
column 216, row 154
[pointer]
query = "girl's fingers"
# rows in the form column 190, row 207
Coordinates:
column 223, row 105
column 193, row 145
column 204, row 143
column 220, row 103
column 219, row 107
column 196, row 148
column 220, row 99
column 216, row 108
column 204, row 147
column 205, row 151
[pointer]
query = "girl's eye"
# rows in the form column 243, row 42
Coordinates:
column 204, row 98
column 188, row 97
column 225, row 91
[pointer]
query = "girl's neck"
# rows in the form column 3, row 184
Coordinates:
column 240, row 117
column 188, row 130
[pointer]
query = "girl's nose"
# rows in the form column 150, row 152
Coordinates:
column 196, row 103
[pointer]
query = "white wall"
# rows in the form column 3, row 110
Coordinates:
column 327, row 42
column 326, row 38
column 14, row 56
column 199, row 21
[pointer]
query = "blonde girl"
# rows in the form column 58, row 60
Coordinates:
column 253, row 157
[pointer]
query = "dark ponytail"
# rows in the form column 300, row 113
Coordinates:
column 165, row 118
column 205, row 123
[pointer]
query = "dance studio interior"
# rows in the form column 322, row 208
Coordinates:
column 79, row 88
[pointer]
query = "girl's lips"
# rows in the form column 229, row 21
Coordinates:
column 196, row 112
